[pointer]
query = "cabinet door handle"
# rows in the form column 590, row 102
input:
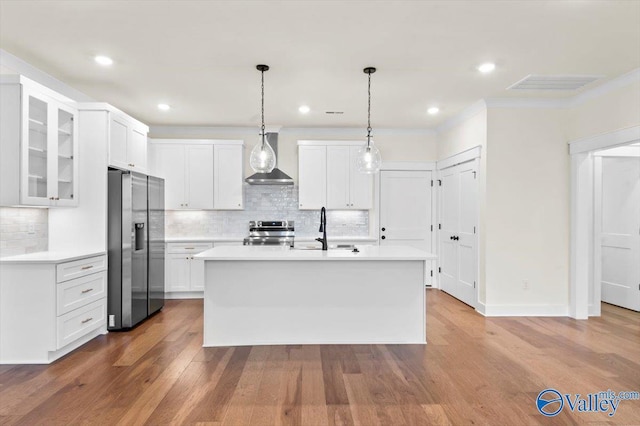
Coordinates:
column 384, row 229
column 87, row 267
column 86, row 321
column 383, row 237
column 86, row 291
column 239, row 205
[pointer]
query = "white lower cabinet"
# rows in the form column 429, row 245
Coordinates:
column 185, row 274
column 48, row 308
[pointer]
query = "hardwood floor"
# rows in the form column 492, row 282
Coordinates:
column 473, row 370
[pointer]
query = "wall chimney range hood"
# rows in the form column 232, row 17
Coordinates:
column 274, row 177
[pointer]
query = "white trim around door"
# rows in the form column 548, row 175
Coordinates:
column 582, row 268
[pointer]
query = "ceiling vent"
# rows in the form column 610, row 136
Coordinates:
column 554, row 82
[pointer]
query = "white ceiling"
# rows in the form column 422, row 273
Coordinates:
column 200, row 56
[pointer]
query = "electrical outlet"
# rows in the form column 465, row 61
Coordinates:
column 525, row 284
column 31, row 229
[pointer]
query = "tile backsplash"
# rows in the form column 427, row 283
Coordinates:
column 265, row 202
column 23, row 230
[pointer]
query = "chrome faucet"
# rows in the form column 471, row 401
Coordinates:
column 323, row 228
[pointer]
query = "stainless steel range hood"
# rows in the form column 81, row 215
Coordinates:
column 274, row 177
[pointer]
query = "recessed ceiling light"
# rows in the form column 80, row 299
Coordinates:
column 433, row 110
column 164, row 107
column 103, row 60
column 487, row 67
column 304, row 109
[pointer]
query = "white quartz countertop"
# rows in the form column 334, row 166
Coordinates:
column 284, row 253
column 50, row 256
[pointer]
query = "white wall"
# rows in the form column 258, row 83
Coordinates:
column 527, row 213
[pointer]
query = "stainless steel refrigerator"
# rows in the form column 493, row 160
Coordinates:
column 135, row 248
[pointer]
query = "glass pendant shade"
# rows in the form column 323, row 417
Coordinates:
column 263, row 158
column 368, row 159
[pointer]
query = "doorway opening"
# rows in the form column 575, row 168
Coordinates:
column 605, row 222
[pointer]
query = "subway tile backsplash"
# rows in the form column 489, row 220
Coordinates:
column 265, row 202
column 23, row 230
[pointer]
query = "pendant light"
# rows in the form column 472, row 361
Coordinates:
column 263, row 159
column 368, row 159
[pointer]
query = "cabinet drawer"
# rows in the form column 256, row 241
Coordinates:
column 79, row 268
column 188, row 248
column 77, row 323
column 75, row 293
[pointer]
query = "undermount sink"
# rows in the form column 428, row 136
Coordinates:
column 331, row 247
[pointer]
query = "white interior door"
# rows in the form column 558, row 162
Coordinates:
column 618, row 213
column 457, row 233
column 405, row 209
column 467, row 264
column 449, row 219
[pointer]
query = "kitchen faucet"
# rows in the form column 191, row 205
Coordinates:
column 323, row 228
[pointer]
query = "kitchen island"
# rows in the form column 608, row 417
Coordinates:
column 272, row 296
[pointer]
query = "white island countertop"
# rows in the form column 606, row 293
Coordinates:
column 50, row 256
column 285, row 253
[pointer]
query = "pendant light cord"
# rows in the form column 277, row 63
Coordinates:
column 369, row 112
column 263, row 134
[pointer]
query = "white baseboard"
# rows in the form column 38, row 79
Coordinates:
column 184, row 295
column 481, row 308
column 523, row 310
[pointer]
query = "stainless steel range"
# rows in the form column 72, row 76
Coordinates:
column 270, row 233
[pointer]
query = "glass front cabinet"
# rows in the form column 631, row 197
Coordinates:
column 39, row 131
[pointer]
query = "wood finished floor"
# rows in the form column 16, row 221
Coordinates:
column 472, row 371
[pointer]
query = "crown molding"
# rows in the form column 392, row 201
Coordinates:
column 631, row 77
column 464, row 115
column 550, row 103
column 19, row 66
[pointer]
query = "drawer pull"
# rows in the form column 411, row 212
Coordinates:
column 86, row 321
column 189, row 248
column 86, row 291
column 87, row 267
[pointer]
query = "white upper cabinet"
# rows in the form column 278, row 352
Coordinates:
column 38, row 145
column 200, row 174
column 339, row 185
column 312, row 177
column 338, row 177
column 199, row 177
column 168, row 162
column 228, row 174
column 360, row 184
column 128, row 143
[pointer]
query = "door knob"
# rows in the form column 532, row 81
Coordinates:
column 383, row 237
